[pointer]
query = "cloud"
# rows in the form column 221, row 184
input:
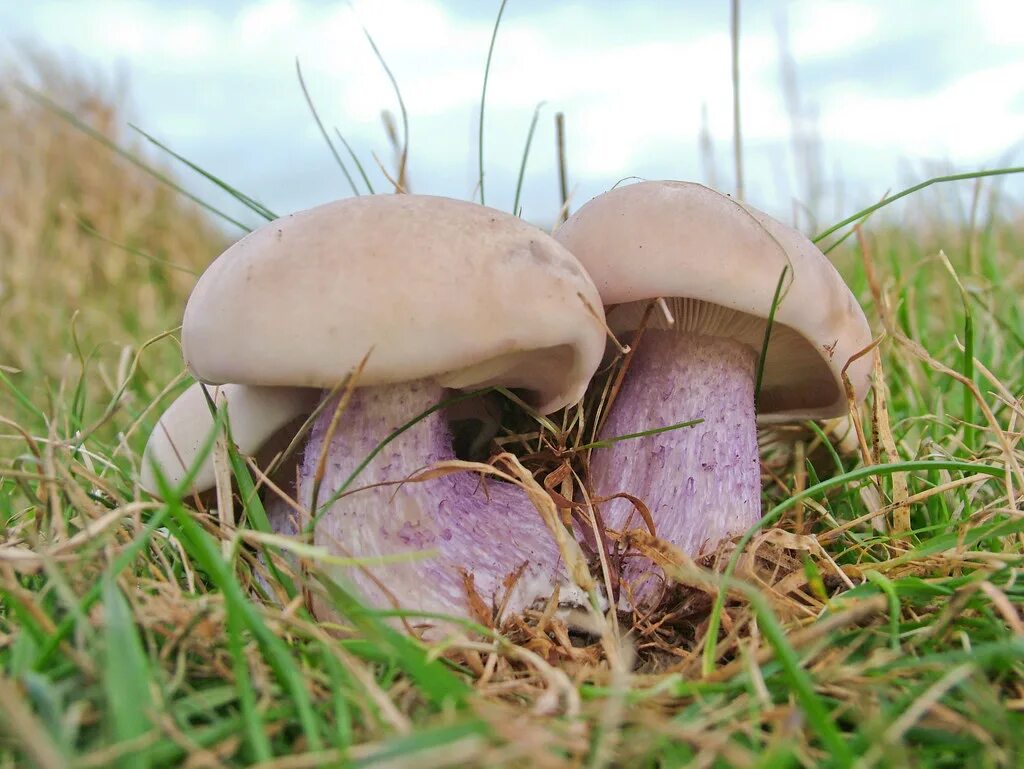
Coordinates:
column 887, row 79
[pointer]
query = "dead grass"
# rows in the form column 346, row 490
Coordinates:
column 97, row 257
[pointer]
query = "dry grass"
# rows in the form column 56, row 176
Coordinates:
column 97, row 256
column 877, row 621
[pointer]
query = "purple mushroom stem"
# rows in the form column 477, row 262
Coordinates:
column 432, row 532
column 701, row 483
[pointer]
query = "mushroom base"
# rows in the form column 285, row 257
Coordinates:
column 701, row 484
column 437, row 534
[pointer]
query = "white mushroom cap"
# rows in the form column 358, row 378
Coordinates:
column 254, row 413
column 722, row 260
column 428, row 286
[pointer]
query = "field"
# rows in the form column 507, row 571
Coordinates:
column 876, row 619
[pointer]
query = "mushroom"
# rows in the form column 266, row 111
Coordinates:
column 418, row 294
column 255, row 414
column 716, row 263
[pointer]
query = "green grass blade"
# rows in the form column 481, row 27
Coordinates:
column 483, row 103
column 768, row 334
column 967, row 360
column 251, row 203
column 403, row 160
column 24, row 400
column 126, row 675
column 355, row 159
column 522, row 164
column 836, row 459
column 951, row 539
column 134, row 251
column 910, row 191
column 256, row 514
column 94, row 134
column 606, row 442
column 323, row 131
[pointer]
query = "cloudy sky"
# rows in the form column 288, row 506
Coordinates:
column 879, row 94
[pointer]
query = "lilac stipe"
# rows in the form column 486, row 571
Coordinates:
column 482, row 525
column 702, row 483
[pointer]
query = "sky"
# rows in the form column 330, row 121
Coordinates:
column 841, row 100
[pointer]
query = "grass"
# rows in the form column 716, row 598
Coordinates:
column 135, row 632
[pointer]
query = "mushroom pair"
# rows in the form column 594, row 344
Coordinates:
column 437, row 293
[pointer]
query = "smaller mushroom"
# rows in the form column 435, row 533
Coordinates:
column 717, row 263
column 255, row 414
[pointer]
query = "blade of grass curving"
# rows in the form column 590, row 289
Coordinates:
column 1001, row 655
column 356, row 160
column 483, row 102
column 251, row 203
column 207, row 555
column 767, row 335
column 133, row 251
column 323, row 131
column 438, row 684
column 522, row 165
column 860, row 473
column 23, row 399
column 126, row 675
column 827, row 443
column 838, row 242
column 853, row 230
column 539, row 418
column 606, row 442
column 911, row 190
column 401, row 102
column 967, row 539
column 256, row 514
column 113, row 147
